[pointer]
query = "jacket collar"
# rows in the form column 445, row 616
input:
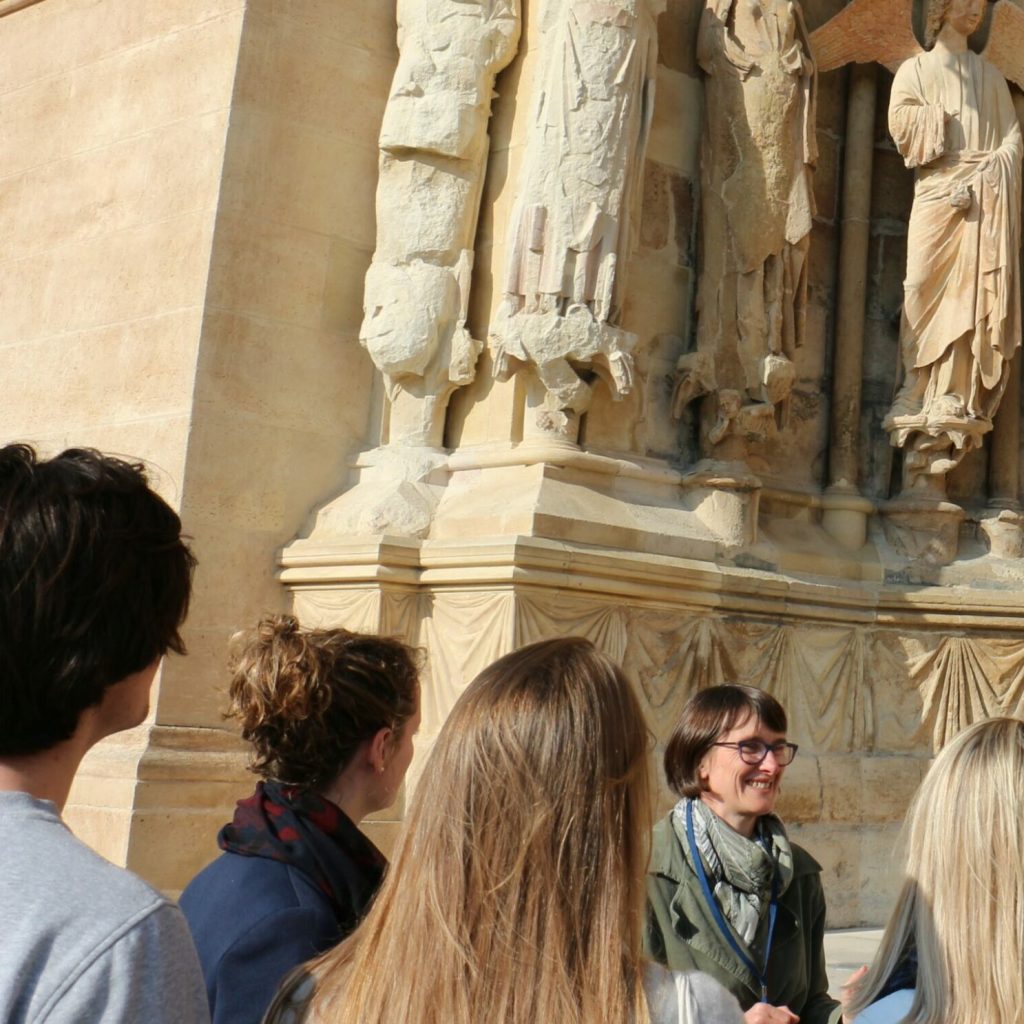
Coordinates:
column 696, row 926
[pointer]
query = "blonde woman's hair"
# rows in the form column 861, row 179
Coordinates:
column 962, row 903
column 516, row 890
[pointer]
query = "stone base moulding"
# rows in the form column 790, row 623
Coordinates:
column 845, row 516
column 154, row 799
column 874, row 676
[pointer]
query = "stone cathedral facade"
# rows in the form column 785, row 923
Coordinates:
column 690, row 326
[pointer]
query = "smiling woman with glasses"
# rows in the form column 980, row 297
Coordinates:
column 727, row 893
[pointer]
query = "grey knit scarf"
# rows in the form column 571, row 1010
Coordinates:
column 739, row 870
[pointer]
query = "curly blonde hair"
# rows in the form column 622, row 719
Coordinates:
column 307, row 698
column 935, row 12
column 934, row 18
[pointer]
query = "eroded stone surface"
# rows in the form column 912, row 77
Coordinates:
column 759, row 152
column 576, row 217
column 433, row 144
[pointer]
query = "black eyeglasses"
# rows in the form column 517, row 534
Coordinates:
column 755, row 751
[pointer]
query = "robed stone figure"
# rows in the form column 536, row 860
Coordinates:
column 952, row 119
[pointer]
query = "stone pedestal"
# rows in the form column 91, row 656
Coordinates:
column 1003, row 530
column 536, row 541
column 925, row 531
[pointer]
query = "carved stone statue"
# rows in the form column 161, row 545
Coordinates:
column 576, row 213
column 434, row 146
column 952, row 119
column 757, row 162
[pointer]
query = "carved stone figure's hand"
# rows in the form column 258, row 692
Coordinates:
column 763, row 1013
column 961, row 197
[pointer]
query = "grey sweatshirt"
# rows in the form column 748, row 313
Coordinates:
column 81, row 940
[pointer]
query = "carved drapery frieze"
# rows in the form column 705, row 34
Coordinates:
column 873, row 678
column 670, row 660
column 433, row 146
column 847, row 688
column 575, row 219
column 965, row 679
column 484, row 622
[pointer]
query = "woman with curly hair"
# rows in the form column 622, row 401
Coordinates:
column 330, row 716
column 516, row 894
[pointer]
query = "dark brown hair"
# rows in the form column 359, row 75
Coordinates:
column 307, row 698
column 94, row 585
column 708, row 714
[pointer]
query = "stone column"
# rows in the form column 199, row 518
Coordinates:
column 846, row 512
column 1003, row 523
column 1004, row 458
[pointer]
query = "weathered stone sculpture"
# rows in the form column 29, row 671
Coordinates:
column 433, row 145
column 576, row 213
column 757, row 162
column 433, row 156
column 952, row 119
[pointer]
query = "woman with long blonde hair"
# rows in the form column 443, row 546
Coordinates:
column 953, row 951
column 516, row 891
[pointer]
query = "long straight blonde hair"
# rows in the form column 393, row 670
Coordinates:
column 962, row 903
column 516, row 890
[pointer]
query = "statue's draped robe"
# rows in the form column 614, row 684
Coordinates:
column 952, row 118
column 758, row 206
column 576, row 218
column 574, row 225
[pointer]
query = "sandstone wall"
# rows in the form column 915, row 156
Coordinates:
column 188, row 212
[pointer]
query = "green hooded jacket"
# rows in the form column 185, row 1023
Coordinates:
column 681, row 933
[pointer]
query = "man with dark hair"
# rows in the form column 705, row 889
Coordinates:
column 94, row 585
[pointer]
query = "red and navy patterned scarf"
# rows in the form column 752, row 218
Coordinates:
column 303, row 829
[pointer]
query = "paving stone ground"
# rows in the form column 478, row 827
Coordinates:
column 846, row 950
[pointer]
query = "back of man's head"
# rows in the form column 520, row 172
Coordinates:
column 94, row 585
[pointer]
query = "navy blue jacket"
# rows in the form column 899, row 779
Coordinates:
column 255, row 917
column 253, row 920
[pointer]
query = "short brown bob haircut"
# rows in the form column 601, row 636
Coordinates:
column 707, row 715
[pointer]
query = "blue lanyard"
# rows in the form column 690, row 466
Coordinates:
column 723, row 927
